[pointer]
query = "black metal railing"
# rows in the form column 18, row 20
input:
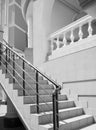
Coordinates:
column 9, row 57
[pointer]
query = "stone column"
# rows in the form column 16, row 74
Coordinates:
column 30, row 32
column 1, row 34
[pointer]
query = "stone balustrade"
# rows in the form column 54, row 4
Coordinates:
column 74, row 33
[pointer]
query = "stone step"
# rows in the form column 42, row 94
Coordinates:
column 20, row 71
column 91, row 127
column 33, row 86
column 42, row 99
column 45, row 107
column 47, row 117
column 26, row 76
column 74, row 123
column 30, row 92
column 28, row 81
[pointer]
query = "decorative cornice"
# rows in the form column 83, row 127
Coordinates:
column 70, row 5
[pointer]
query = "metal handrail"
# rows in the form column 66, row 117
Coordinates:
column 8, row 71
column 27, row 75
column 35, row 68
column 7, row 44
column 57, row 87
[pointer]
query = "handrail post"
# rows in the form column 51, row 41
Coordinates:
column 13, row 68
column 23, row 78
column 9, row 55
column 37, row 92
column 0, row 53
column 6, row 60
column 55, row 111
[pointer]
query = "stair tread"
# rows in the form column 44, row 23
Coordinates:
column 50, row 125
column 77, row 118
column 44, row 96
column 91, row 127
column 51, row 102
column 61, row 110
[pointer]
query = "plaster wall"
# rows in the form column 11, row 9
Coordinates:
column 17, row 26
column 79, row 67
column 17, row 38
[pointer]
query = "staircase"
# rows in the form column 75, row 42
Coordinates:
column 37, row 98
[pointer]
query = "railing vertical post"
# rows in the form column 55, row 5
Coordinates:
column 13, row 68
column 23, row 78
column 9, row 55
column 0, row 53
column 55, row 111
column 6, row 59
column 37, row 92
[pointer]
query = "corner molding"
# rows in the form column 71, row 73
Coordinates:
column 70, row 6
column 86, row 3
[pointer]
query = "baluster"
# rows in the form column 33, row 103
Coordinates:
column 0, row 53
column 6, row 59
column 64, row 39
column 52, row 46
column 13, row 68
column 72, row 36
column 23, row 78
column 90, row 30
column 80, row 33
column 9, row 55
column 37, row 93
column 57, row 42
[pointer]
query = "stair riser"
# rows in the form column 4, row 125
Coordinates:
column 26, row 77
column 44, row 119
column 42, row 99
column 49, row 107
column 29, row 81
column 20, row 72
column 16, row 86
column 31, row 92
column 77, row 124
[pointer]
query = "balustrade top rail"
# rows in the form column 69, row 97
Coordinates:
column 72, row 25
column 36, row 69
